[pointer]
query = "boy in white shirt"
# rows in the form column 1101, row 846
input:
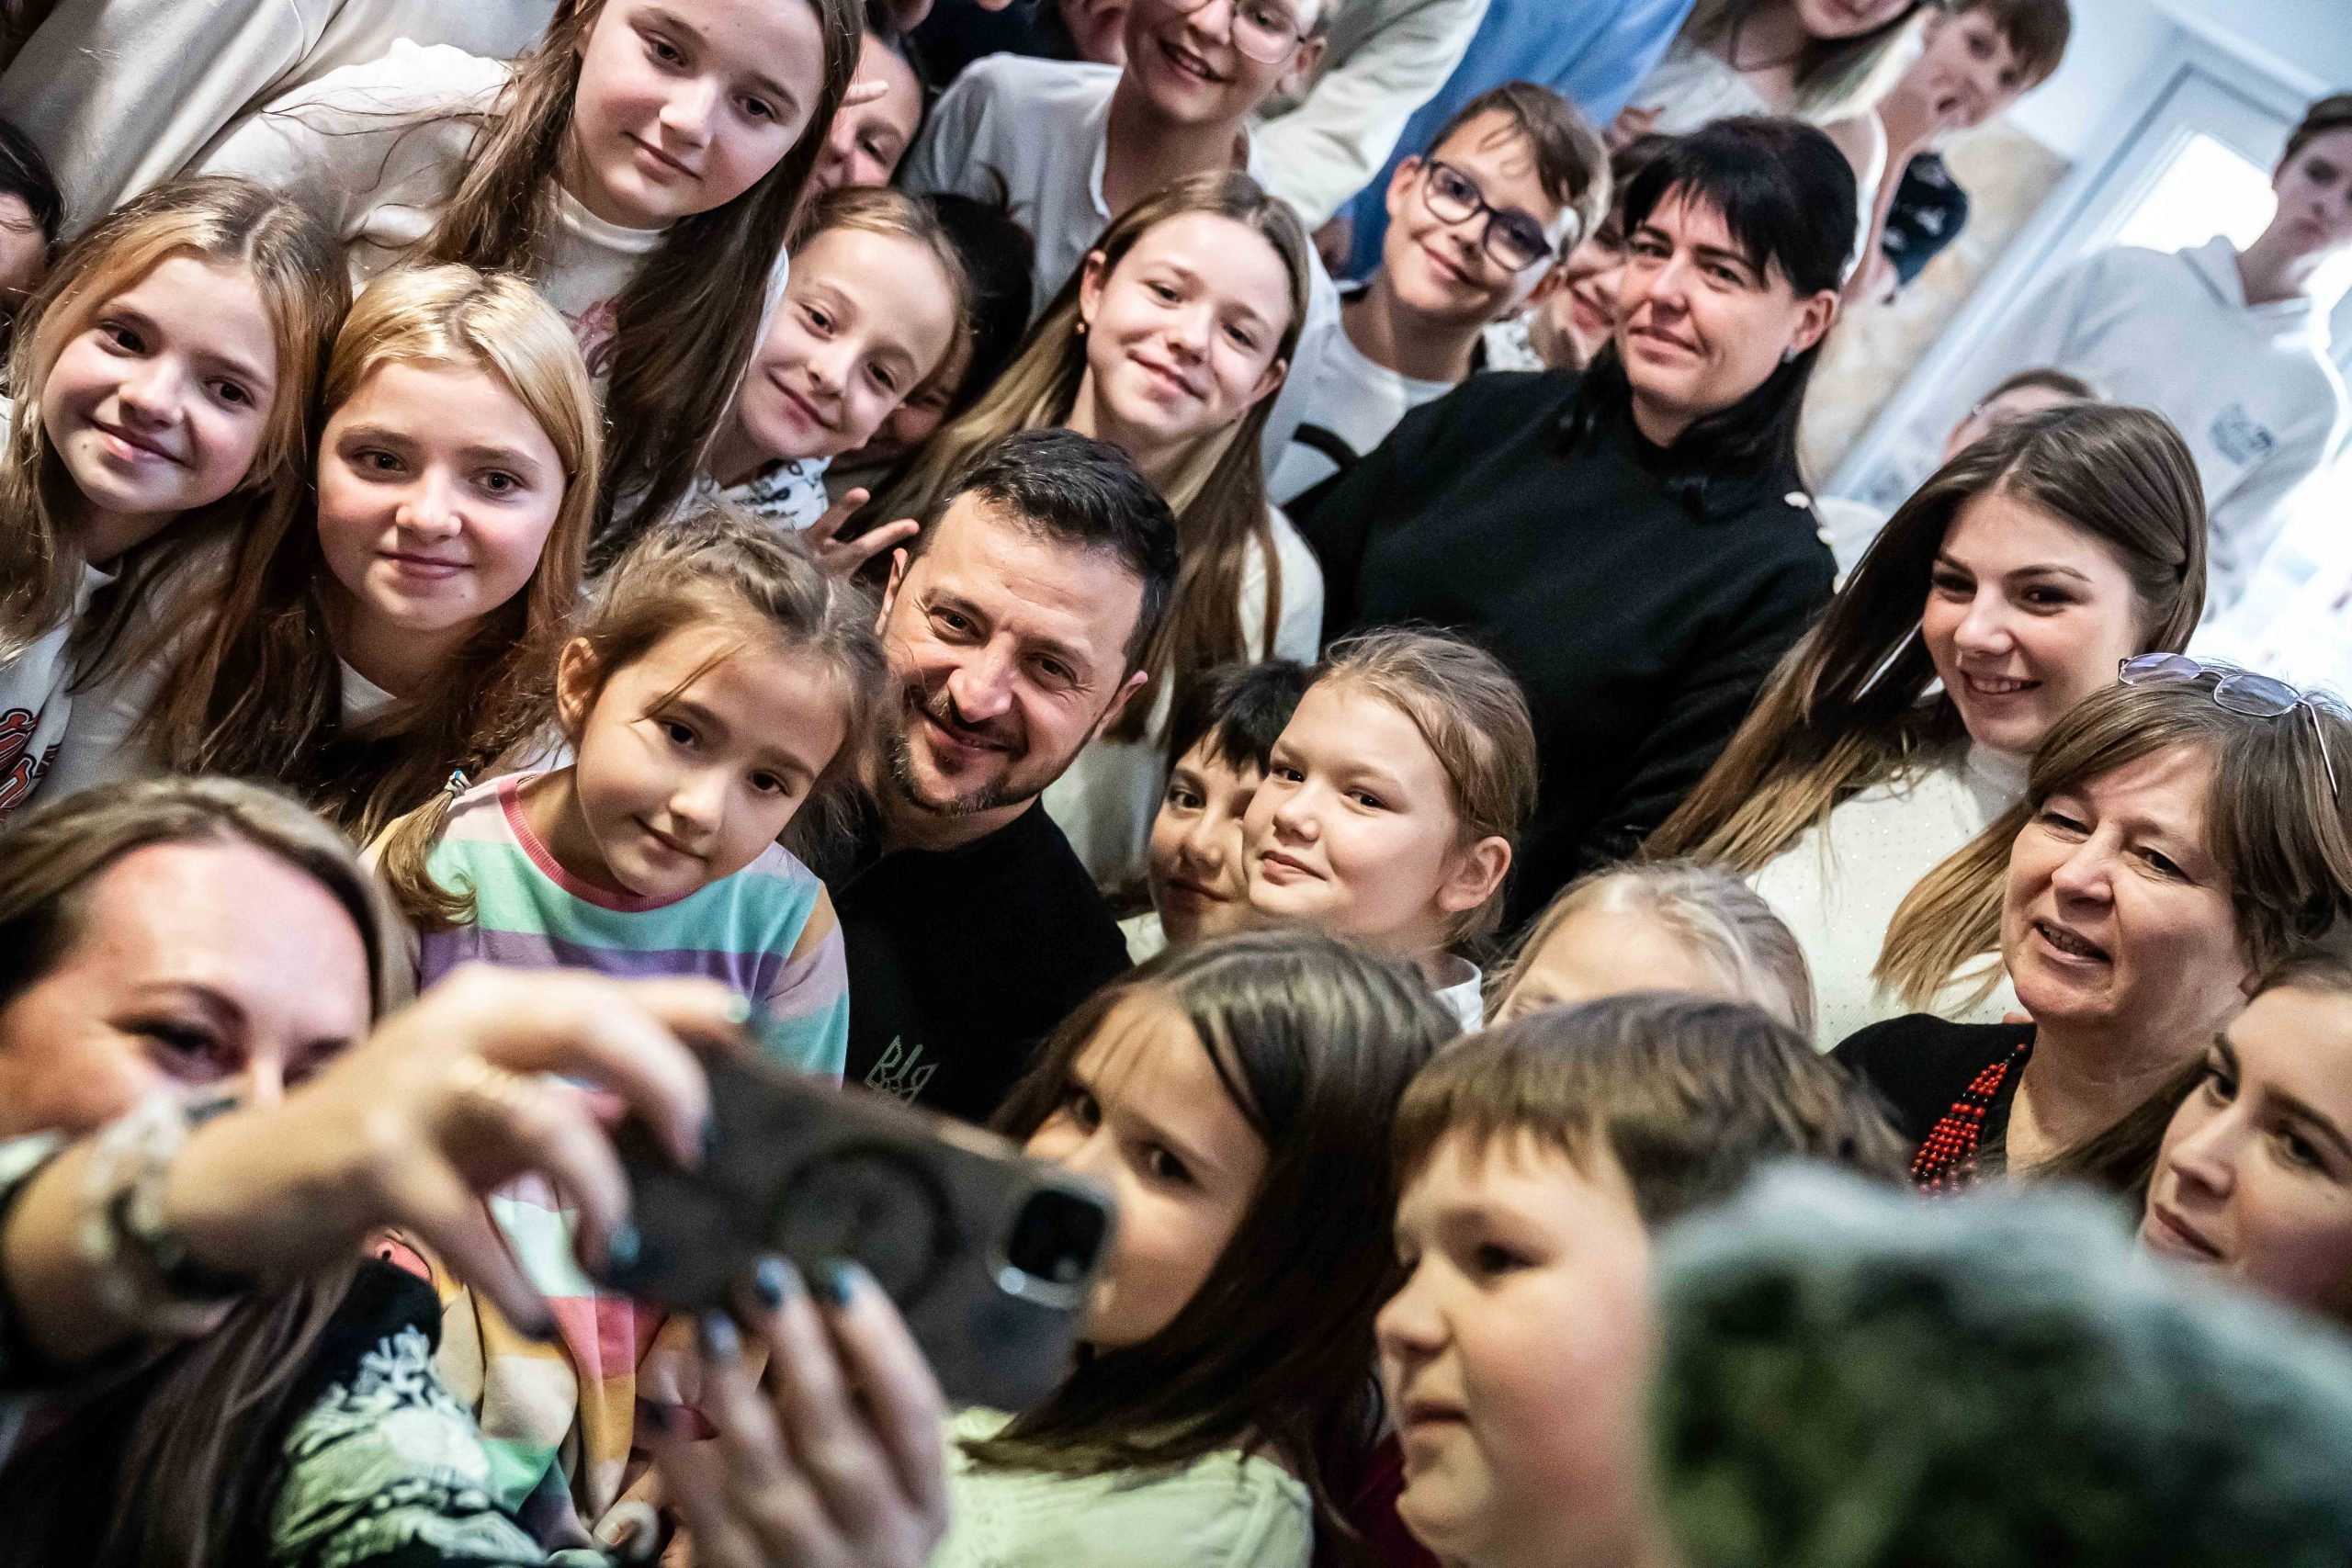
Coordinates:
column 1476, row 229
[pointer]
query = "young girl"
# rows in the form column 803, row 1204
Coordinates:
column 2002, row 594
column 166, row 377
column 1393, row 800
column 642, row 165
column 722, row 682
column 1169, row 343
column 1235, row 1095
column 358, row 655
column 875, row 312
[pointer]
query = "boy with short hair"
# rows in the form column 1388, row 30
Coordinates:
column 1535, row 1160
column 1222, row 734
column 1477, row 227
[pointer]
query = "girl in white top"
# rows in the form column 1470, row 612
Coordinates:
column 358, row 654
column 1236, row 1096
column 1169, row 343
column 1392, row 802
column 876, row 308
column 642, row 165
column 166, row 376
column 2007, row 588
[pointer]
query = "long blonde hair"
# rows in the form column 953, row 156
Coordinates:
column 2281, row 836
column 1851, row 704
column 1219, row 490
column 687, row 323
column 298, row 273
column 259, row 692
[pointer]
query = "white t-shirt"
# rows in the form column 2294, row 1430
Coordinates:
column 1464, row 994
column 37, row 701
column 789, row 494
column 1352, row 404
column 375, row 151
column 1033, row 134
column 1105, row 801
column 1691, row 87
column 1838, row 886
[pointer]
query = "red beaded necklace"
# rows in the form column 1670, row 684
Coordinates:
column 1947, row 1159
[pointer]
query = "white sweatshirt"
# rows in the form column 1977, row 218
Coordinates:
column 123, row 93
column 2250, row 386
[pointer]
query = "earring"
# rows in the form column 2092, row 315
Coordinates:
column 1081, row 326
column 1789, row 355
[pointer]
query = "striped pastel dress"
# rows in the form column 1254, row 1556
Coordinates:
column 558, row 1419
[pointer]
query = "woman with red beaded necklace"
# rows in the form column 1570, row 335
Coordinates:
column 2182, row 833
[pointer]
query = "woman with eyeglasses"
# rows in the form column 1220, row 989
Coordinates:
column 1633, row 542
column 2182, row 831
column 1997, row 597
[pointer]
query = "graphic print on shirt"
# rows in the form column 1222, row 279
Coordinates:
column 897, row 1073
column 2242, row 439
column 19, row 772
column 593, row 329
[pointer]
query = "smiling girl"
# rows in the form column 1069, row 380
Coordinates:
column 1167, row 342
column 642, row 165
column 166, row 376
column 358, row 654
column 1999, row 597
column 1393, row 801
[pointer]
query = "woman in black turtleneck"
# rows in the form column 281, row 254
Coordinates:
column 1635, row 542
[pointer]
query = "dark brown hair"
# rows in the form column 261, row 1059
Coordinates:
column 2331, row 113
column 2037, row 32
column 1688, row 1096
column 1315, row 1041
column 1571, row 163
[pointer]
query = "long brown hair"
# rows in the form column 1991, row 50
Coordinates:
column 1314, row 1041
column 162, row 1468
column 714, row 567
column 2279, row 834
column 1219, row 491
column 687, row 323
column 1854, row 703
column 296, row 270
column 258, row 693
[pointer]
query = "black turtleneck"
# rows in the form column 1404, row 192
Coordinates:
column 1640, row 598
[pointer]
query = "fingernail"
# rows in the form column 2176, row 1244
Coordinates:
column 836, row 1281
column 773, row 1280
column 739, row 1009
column 622, row 1247
column 715, row 1333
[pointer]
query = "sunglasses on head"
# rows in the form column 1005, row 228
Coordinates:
column 2234, row 691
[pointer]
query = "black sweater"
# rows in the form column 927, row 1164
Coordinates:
column 1642, row 625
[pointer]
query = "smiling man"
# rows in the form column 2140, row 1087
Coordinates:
column 1015, row 630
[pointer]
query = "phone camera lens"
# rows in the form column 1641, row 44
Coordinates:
column 1055, row 1236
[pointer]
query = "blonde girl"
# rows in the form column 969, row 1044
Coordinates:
column 167, row 377
column 642, row 165
column 717, row 690
column 2002, row 594
column 400, row 629
column 877, row 307
column 1168, row 341
column 1392, row 802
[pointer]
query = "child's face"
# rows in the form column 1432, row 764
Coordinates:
column 1967, row 70
column 437, row 491
column 684, row 104
column 865, row 143
column 1188, row 67
column 23, row 253
column 2314, row 189
column 1831, row 20
column 1181, row 335
column 159, row 403
column 1355, row 829
column 864, row 318
column 694, row 757
column 1445, row 270
column 1603, row 952
column 1147, row 1115
column 1516, row 1356
column 1197, row 882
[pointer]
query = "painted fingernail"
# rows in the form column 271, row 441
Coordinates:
column 775, row 1279
column 836, row 1281
column 715, row 1333
column 622, row 1247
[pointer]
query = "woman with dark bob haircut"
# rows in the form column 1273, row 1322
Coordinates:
column 1662, row 553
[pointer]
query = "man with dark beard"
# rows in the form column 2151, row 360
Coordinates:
column 1015, row 626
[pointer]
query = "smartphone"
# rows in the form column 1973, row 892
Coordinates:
column 992, row 1257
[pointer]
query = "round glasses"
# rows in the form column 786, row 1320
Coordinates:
column 1515, row 240
column 1262, row 29
column 2236, row 691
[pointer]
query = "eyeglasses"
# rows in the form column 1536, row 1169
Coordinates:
column 1262, row 29
column 2238, row 691
column 1516, row 240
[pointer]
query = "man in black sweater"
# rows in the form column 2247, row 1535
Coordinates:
column 1015, row 628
